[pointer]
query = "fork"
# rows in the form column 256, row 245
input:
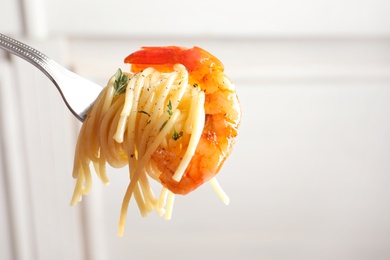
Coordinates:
column 78, row 93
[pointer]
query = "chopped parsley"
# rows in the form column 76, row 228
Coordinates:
column 163, row 125
column 176, row 135
column 169, row 110
column 144, row 112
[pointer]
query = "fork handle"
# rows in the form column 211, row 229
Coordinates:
column 77, row 92
column 35, row 57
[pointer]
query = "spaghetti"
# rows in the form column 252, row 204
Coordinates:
column 154, row 121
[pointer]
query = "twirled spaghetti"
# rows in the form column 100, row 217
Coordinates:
column 155, row 125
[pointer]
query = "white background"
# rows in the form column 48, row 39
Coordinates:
column 309, row 175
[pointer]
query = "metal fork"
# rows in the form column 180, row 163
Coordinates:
column 78, row 93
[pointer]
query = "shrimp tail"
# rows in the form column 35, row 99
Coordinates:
column 197, row 61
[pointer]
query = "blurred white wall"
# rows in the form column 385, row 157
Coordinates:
column 309, row 175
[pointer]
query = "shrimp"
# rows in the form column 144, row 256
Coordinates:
column 222, row 114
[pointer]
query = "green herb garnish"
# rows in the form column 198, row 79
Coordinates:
column 120, row 82
column 170, row 113
column 169, row 110
column 144, row 112
column 176, row 135
column 163, row 125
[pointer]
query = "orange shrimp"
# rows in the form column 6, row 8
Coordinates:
column 222, row 109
